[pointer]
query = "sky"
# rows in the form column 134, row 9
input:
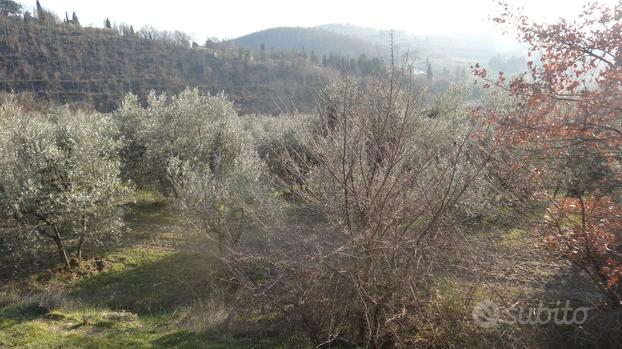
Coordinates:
column 232, row 18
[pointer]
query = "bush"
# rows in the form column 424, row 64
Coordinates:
column 193, row 148
column 187, row 128
column 276, row 138
column 377, row 215
column 59, row 181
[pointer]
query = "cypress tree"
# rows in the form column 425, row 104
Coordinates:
column 428, row 73
column 40, row 12
column 74, row 19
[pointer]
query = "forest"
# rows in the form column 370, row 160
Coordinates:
column 159, row 193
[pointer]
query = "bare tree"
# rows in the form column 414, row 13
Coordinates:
column 378, row 213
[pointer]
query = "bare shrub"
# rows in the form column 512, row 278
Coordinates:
column 379, row 211
column 276, row 137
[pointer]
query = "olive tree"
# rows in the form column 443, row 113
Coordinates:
column 219, row 189
column 276, row 137
column 193, row 148
column 178, row 127
column 220, row 196
column 59, row 180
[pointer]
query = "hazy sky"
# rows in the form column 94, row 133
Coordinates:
column 232, row 18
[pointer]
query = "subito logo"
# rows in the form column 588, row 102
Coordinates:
column 486, row 314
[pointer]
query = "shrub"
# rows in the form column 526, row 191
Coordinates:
column 193, row 148
column 59, row 181
column 381, row 189
column 186, row 128
column 276, row 138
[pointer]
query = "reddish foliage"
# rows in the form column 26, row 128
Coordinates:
column 571, row 109
column 586, row 232
column 575, row 90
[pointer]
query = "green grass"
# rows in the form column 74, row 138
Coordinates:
column 146, row 198
column 28, row 326
column 516, row 238
column 163, row 289
column 150, row 281
column 152, row 293
column 137, row 302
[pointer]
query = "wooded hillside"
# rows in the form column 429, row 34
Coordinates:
column 67, row 63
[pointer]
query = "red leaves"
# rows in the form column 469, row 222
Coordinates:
column 499, row 20
column 501, row 78
column 587, row 233
column 613, row 272
column 479, row 71
column 571, row 98
column 573, row 81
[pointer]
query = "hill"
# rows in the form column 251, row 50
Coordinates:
column 443, row 50
column 316, row 40
column 376, row 36
column 62, row 62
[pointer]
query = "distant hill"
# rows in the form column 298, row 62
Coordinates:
column 274, row 70
column 318, row 40
column 443, row 51
column 448, row 50
column 373, row 35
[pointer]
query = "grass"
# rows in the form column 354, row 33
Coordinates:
column 150, row 281
column 134, row 303
column 156, row 292
column 516, row 238
column 150, row 293
column 28, row 326
column 141, row 301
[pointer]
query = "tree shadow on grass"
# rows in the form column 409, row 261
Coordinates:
column 156, row 286
column 144, row 224
column 188, row 339
column 603, row 324
column 20, row 313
